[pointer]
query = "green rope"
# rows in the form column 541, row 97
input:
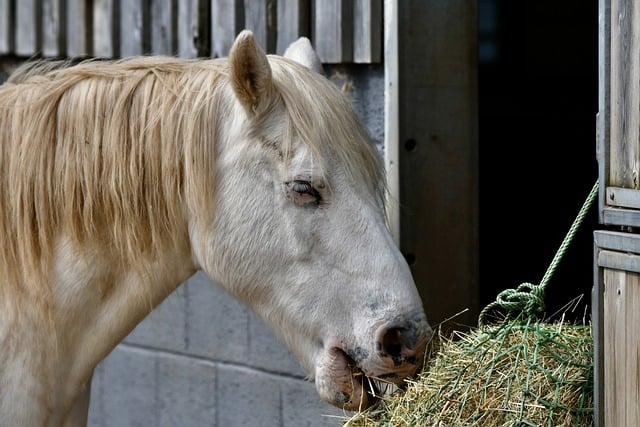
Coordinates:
column 528, row 298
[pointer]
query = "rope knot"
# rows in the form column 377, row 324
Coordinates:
column 527, row 298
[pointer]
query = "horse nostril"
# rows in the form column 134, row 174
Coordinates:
column 392, row 342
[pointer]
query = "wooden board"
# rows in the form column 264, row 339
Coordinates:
column 292, row 22
column 6, row 26
column 53, row 25
column 625, row 89
column 27, row 29
column 621, row 348
column 106, row 37
column 163, row 27
column 134, row 14
column 439, row 155
column 333, row 30
column 367, row 31
column 78, row 31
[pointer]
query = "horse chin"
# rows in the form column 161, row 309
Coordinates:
column 341, row 383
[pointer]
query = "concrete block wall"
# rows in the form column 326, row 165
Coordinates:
column 204, row 359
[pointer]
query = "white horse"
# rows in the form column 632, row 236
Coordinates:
column 119, row 180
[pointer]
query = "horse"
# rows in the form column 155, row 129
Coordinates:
column 119, row 179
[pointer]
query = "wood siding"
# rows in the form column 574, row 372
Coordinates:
column 343, row 31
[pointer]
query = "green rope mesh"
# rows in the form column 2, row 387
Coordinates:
column 527, row 298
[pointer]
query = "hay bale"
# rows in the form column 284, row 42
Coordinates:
column 520, row 373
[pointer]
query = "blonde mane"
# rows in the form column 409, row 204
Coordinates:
column 118, row 153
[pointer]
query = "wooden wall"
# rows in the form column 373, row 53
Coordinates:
column 343, row 31
column 617, row 250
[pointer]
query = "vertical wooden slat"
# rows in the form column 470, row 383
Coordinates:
column 625, row 89
column 134, row 15
column 188, row 28
column 105, row 34
column 163, row 30
column 227, row 20
column 597, row 331
column 27, row 30
column 621, row 348
column 53, row 27
column 79, row 28
column 367, row 31
column 260, row 17
column 604, row 101
column 292, row 22
column 6, row 26
column 333, row 30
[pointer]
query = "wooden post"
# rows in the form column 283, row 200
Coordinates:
column 439, row 153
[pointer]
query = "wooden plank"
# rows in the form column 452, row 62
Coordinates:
column 597, row 330
column 6, row 26
column 106, row 41
column 625, row 89
column 134, row 33
column 27, row 30
column 618, row 216
column 621, row 348
column 603, row 118
column 333, row 30
column 227, row 20
column 79, row 28
column 619, row 261
column 439, row 222
column 623, row 197
column 53, row 28
column 367, row 30
column 293, row 22
column 260, row 17
column 163, row 27
column 189, row 32
column 618, row 241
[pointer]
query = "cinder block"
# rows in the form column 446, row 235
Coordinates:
column 302, row 407
column 166, row 326
column 123, row 390
column 185, row 392
column 267, row 352
column 217, row 324
column 137, row 387
column 247, row 398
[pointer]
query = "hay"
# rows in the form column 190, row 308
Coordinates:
column 519, row 373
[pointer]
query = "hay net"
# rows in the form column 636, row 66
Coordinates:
column 517, row 371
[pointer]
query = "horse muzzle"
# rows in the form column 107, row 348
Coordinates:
column 351, row 377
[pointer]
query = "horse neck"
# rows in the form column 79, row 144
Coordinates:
column 94, row 302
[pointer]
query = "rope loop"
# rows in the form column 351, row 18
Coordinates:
column 527, row 298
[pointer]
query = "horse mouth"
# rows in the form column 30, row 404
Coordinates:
column 343, row 383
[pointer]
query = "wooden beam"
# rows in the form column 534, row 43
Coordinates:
column 439, row 153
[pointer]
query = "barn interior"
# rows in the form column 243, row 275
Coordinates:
column 538, row 92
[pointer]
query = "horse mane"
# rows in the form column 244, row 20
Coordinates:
column 116, row 152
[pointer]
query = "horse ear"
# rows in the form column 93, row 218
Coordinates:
column 250, row 72
column 301, row 51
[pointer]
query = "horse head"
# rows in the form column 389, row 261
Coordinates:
column 299, row 229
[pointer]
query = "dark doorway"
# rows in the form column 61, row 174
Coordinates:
column 538, row 88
